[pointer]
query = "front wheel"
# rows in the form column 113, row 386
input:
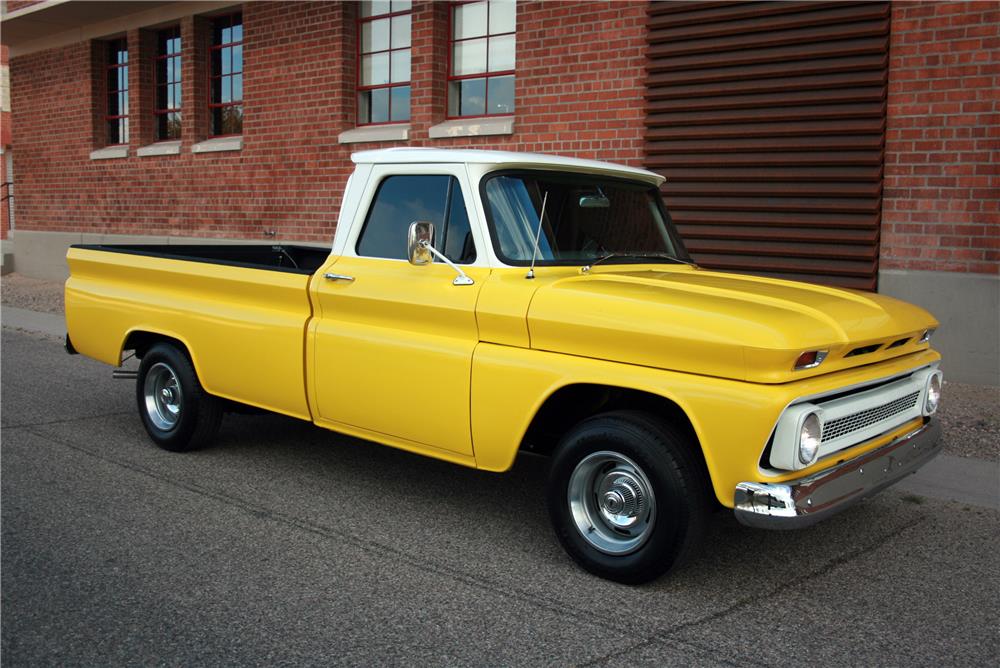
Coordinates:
column 626, row 496
column 176, row 411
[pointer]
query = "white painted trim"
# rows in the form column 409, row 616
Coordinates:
column 473, row 127
column 218, row 144
column 160, row 148
column 373, row 133
column 109, row 153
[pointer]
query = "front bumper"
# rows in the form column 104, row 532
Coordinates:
column 800, row 503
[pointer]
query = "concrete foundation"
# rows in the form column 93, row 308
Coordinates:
column 43, row 254
column 968, row 306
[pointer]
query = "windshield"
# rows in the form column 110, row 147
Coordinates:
column 587, row 218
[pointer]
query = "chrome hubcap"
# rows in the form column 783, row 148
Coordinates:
column 612, row 502
column 162, row 393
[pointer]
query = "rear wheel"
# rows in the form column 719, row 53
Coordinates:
column 626, row 496
column 175, row 410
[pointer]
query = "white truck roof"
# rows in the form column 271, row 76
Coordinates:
column 500, row 159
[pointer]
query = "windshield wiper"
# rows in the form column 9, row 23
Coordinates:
column 637, row 256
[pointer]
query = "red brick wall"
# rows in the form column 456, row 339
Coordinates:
column 942, row 190
column 579, row 91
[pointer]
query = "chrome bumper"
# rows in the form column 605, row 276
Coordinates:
column 800, row 503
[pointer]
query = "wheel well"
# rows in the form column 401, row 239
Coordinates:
column 573, row 403
column 141, row 342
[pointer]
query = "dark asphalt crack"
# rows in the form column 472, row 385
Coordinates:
column 26, row 425
column 667, row 636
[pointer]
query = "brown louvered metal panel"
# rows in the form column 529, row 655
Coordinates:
column 768, row 120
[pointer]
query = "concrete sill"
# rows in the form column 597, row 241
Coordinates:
column 218, row 144
column 109, row 153
column 373, row 133
column 473, row 127
column 160, row 148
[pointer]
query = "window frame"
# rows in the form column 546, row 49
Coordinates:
column 212, row 106
column 456, row 184
column 358, row 55
column 111, row 45
column 487, row 75
column 157, row 58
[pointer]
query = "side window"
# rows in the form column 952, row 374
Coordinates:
column 401, row 200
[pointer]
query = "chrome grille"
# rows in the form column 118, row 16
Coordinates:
column 835, row 429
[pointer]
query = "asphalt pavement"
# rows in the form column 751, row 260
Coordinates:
column 285, row 544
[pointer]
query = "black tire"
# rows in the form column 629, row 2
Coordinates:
column 185, row 417
column 669, row 526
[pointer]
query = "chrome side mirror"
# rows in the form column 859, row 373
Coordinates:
column 419, row 241
column 420, row 249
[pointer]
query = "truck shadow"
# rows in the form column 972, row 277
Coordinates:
column 497, row 524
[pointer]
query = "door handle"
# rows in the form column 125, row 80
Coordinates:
column 338, row 277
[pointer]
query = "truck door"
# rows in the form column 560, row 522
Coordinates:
column 392, row 342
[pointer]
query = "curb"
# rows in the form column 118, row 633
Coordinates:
column 33, row 321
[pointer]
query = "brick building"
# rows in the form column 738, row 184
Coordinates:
column 854, row 144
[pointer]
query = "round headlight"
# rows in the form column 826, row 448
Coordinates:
column 809, row 438
column 933, row 394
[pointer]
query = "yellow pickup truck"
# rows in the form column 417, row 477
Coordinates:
column 476, row 304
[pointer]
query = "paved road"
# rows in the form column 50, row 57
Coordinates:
column 289, row 544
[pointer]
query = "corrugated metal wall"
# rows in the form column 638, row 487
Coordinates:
column 768, row 120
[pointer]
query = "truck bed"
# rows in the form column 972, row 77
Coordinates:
column 273, row 257
column 241, row 311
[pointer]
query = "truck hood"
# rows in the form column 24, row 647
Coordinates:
column 726, row 325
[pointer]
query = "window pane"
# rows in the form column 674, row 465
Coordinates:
column 375, row 36
column 374, row 7
column 470, row 20
column 215, row 61
column 238, row 88
column 161, row 97
column 177, row 70
column 401, row 5
column 238, row 30
column 467, row 97
column 400, row 31
column 400, row 200
column 113, row 104
column 400, row 68
column 227, row 60
column 501, row 53
column 232, row 120
column 227, row 35
column 237, row 59
column 400, row 107
column 177, row 95
column 375, row 69
column 380, row 105
column 216, row 90
column 501, row 95
column 227, row 89
column 502, row 16
column 469, row 57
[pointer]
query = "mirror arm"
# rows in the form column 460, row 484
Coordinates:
column 462, row 278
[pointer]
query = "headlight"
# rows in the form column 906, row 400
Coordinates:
column 926, row 336
column 809, row 438
column 932, row 395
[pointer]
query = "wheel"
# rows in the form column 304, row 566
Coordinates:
column 176, row 411
column 626, row 496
